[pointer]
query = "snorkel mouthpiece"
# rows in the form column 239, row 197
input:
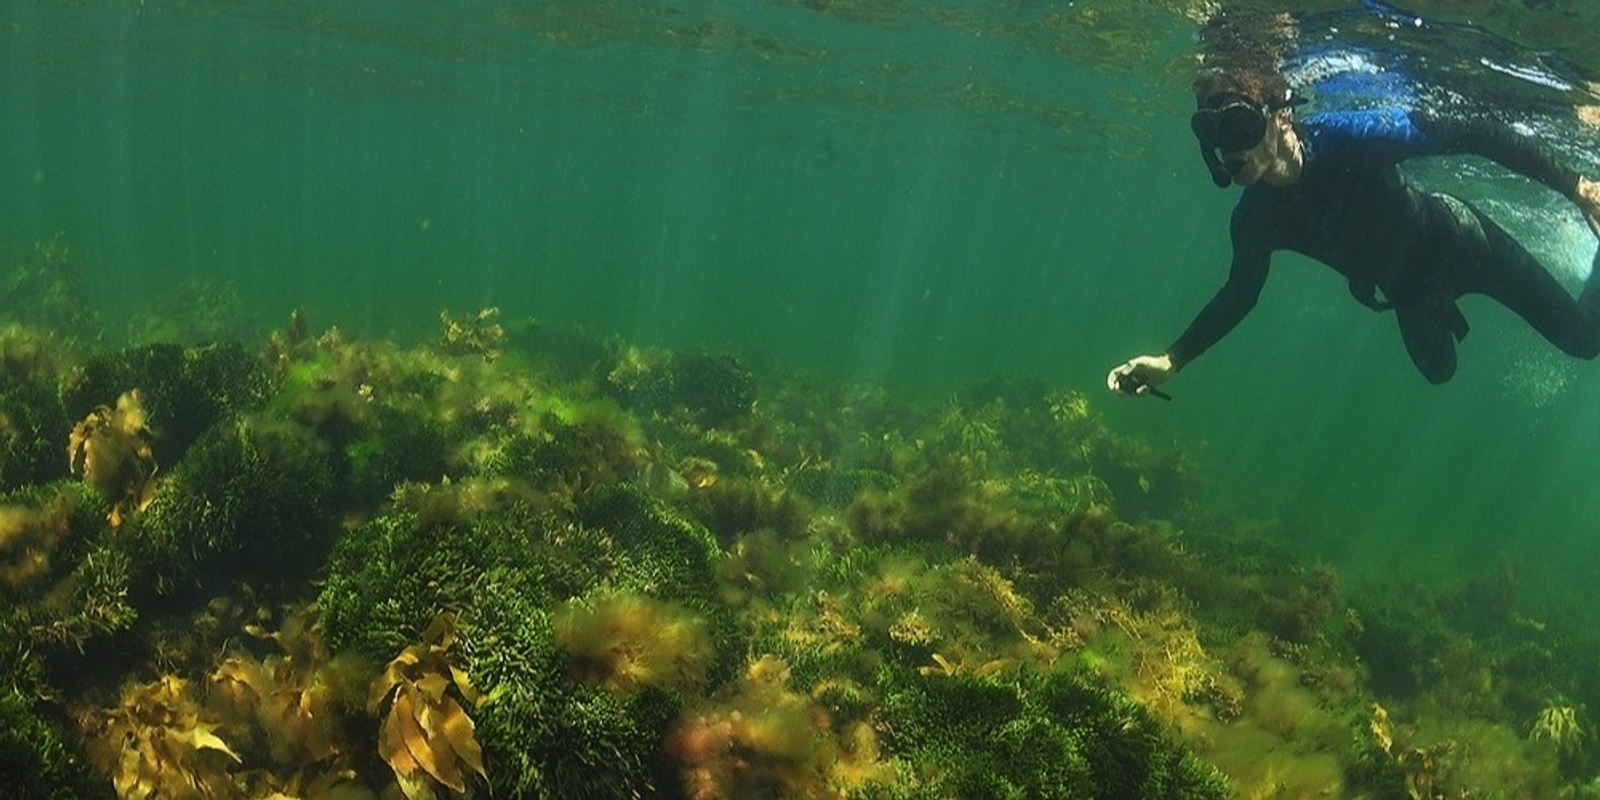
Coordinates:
column 1219, row 174
column 1226, row 121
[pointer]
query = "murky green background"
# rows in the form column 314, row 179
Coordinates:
column 918, row 195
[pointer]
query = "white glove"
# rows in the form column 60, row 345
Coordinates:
column 1139, row 376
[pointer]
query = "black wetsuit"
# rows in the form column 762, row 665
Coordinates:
column 1352, row 210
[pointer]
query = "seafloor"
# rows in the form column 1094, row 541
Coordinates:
column 517, row 561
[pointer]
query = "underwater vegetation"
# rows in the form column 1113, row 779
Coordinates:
column 110, row 448
column 45, row 289
column 39, row 754
column 33, row 423
column 426, row 736
column 516, row 561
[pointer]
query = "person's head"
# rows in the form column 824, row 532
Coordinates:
column 1243, row 123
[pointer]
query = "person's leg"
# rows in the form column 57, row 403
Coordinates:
column 1428, row 331
column 1511, row 275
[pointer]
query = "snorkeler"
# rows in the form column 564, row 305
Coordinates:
column 1329, row 188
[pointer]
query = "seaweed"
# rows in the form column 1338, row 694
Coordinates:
column 40, row 755
column 667, row 576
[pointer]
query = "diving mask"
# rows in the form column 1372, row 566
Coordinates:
column 1231, row 123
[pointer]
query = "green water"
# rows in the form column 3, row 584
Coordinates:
column 908, row 194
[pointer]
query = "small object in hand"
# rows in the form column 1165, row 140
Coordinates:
column 1127, row 384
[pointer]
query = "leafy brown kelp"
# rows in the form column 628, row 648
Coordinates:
column 110, row 448
column 293, row 695
column 426, row 732
column 156, row 746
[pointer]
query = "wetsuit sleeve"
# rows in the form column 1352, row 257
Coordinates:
column 1501, row 144
column 1233, row 301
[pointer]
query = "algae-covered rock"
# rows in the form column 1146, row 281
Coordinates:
column 250, row 500
column 41, row 760
column 1059, row 735
column 506, row 564
column 184, row 390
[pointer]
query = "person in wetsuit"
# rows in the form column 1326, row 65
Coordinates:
column 1330, row 188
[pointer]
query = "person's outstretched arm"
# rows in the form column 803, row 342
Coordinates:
column 1227, row 307
column 1246, row 276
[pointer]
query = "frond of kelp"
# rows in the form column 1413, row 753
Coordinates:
column 110, row 448
column 290, row 695
column 156, row 748
column 426, row 733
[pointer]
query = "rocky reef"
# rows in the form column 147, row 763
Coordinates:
column 518, row 561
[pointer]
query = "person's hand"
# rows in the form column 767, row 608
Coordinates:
column 1589, row 202
column 1138, row 376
